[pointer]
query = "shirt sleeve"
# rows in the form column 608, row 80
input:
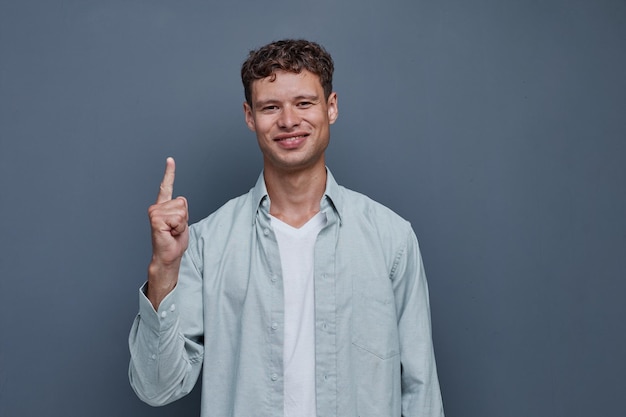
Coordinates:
column 166, row 346
column 421, row 395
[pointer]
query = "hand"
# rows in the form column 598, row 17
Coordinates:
column 170, row 237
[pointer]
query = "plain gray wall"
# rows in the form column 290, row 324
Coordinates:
column 498, row 128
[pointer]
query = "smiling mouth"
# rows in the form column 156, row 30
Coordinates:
column 290, row 138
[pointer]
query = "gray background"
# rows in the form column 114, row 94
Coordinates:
column 498, row 128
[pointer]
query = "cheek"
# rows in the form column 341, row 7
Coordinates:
column 317, row 119
column 263, row 125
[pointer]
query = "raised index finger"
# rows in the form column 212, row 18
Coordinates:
column 167, row 185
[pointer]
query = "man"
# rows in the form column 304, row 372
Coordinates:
column 299, row 298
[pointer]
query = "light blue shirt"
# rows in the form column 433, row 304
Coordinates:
column 373, row 347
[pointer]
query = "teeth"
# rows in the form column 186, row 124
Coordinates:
column 291, row 138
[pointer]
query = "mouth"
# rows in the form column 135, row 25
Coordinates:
column 291, row 141
column 290, row 138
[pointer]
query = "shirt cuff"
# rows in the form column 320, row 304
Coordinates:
column 162, row 319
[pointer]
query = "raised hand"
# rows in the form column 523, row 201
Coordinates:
column 170, row 237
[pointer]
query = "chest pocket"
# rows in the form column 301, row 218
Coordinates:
column 374, row 323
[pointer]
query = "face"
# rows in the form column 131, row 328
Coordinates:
column 291, row 119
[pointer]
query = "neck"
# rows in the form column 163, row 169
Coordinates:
column 295, row 196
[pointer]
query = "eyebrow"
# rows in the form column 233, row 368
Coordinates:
column 310, row 97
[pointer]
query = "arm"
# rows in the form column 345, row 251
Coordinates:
column 166, row 338
column 421, row 395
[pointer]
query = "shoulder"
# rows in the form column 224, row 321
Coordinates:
column 360, row 210
column 234, row 212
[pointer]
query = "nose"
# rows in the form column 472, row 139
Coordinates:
column 289, row 118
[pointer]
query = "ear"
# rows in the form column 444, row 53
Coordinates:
column 247, row 112
column 333, row 110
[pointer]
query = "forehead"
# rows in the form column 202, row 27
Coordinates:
column 284, row 85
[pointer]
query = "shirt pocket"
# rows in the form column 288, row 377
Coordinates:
column 374, row 324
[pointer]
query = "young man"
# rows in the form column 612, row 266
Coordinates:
column 299, row 298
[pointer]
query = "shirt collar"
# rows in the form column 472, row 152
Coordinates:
column 332, row 195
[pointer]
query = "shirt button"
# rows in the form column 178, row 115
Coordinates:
column 164, row 314
column 266, row 232
column 274, row 326
column 324, row 325
column 274, row 278
column 326, row 377
column 274, row 377
column 173, row 308
column 153, row 356
column 264, row 203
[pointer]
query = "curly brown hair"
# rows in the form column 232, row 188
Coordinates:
column 288, row 55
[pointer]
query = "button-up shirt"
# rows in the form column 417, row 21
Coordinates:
column 373, row 349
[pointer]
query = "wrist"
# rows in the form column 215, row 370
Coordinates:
column 162, row 279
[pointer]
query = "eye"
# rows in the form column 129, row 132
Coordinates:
column 304, row 104
column 269, row 108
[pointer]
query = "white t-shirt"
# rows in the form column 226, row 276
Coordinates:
column 297, row 248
